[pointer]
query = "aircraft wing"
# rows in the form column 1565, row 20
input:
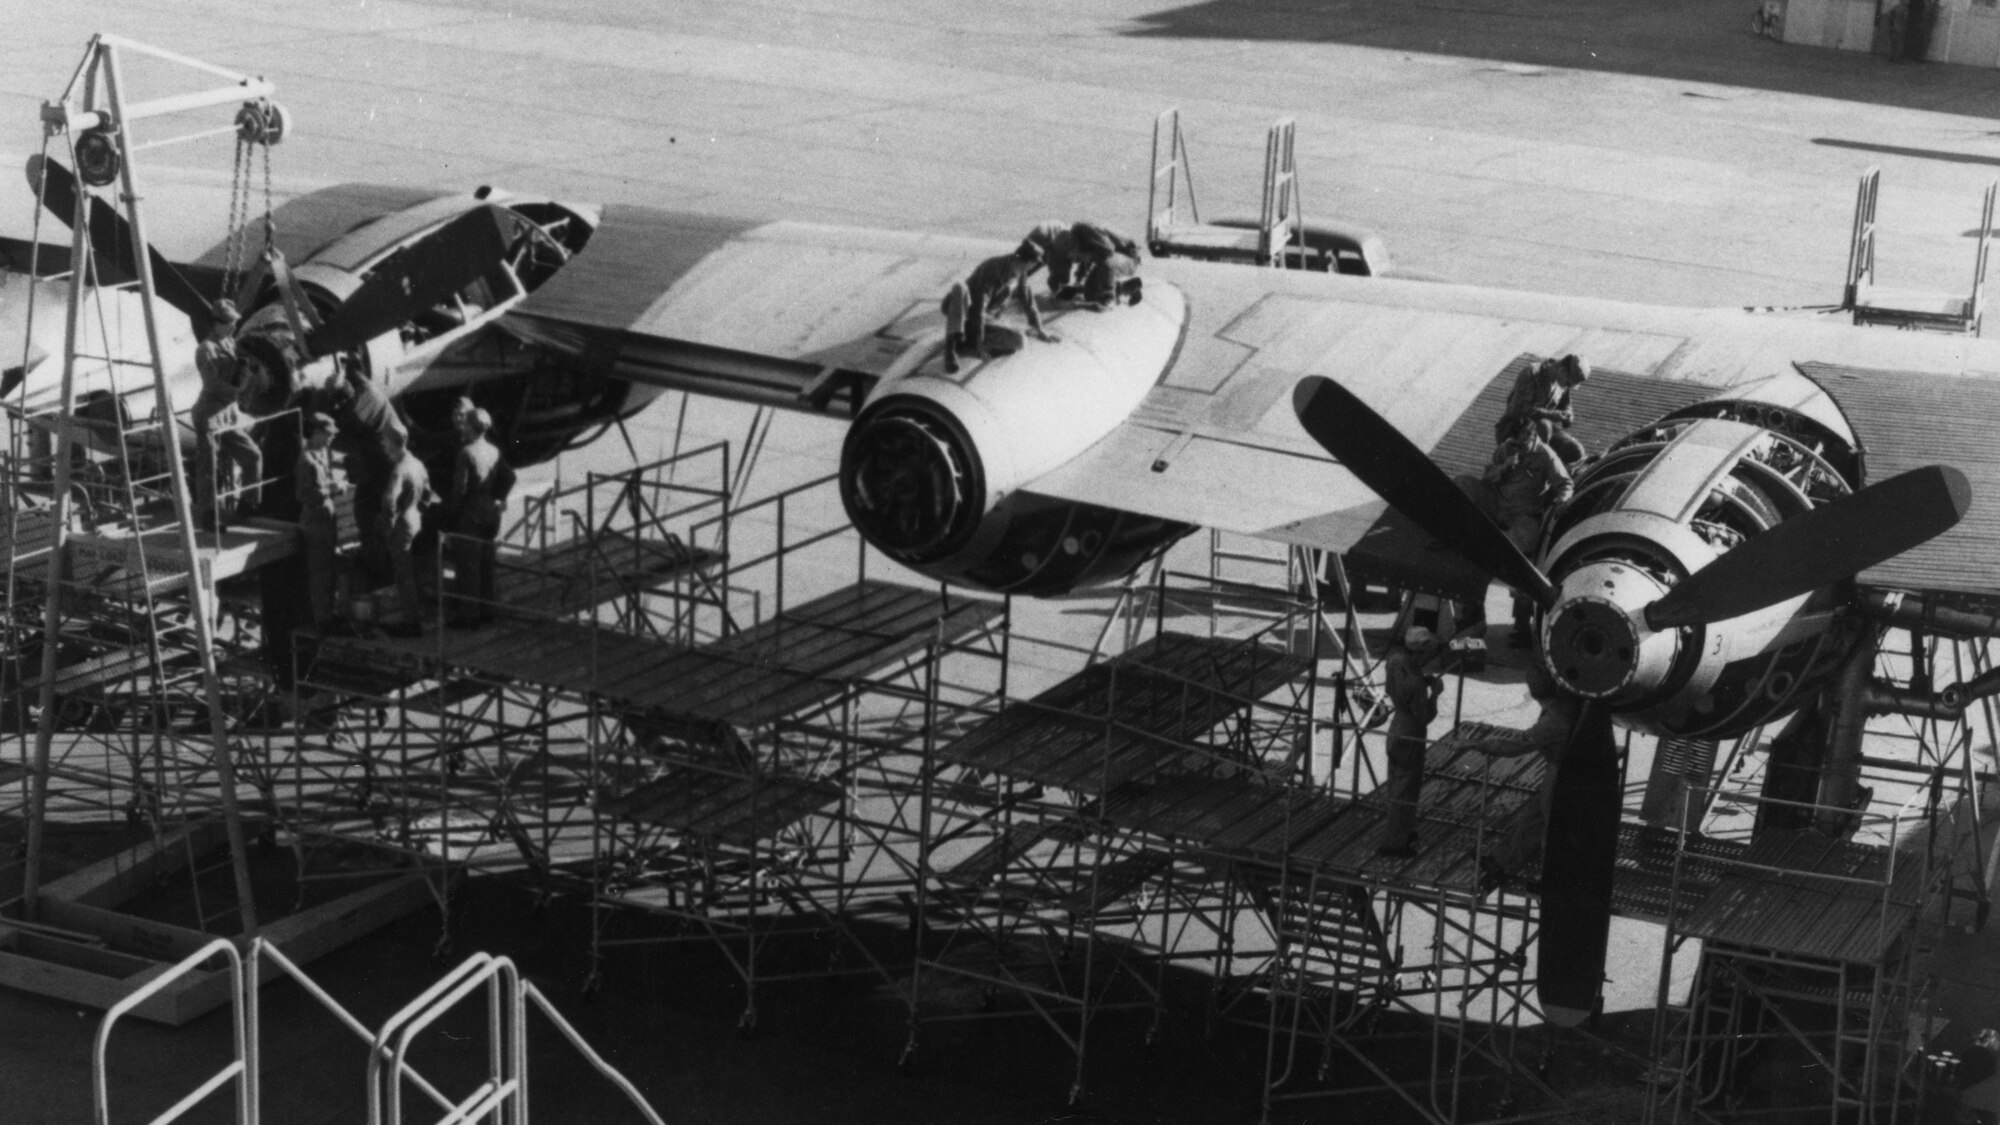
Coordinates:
column 764, row 312
column 1217, row 443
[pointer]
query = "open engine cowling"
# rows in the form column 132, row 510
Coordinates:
column 1665, row 502
column 933, row 470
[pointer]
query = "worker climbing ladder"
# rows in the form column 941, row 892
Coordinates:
column 129, row 709
column 1903, row 308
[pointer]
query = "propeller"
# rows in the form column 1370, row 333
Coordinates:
column 1579, row 870
column 1396, row 470
column 112, row 242
column 414, row 278
column 1819, row 547
column 1806, row 552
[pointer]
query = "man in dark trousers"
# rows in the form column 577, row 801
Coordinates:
column 1526, row 479
column 1542, row 391
column 985, row 292
column 1413, row 693
column 368, row 426
column 317, row 487
column 480, row 481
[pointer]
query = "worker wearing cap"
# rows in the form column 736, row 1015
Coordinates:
column 317, row 486
column 480, row 481
column 1413, row 693
column 1542, row 391
column 983, row 293
column 220, row 441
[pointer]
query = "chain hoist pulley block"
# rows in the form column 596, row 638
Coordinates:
column 263, row 122
column 98, row 160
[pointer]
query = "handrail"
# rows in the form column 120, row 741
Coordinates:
column 529, row 992
column 260, row 949
column 243, row 1067
column 504, row 1081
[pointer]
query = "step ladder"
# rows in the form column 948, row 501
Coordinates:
column 1871, row 304
column 1173, row 222
column 129, row 600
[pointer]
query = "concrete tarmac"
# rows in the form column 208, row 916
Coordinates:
column 1656, row 152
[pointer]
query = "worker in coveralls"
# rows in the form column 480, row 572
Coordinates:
column 317, row 486
column 1526, row 479
column 225, row 456
column 480, row 481
column 1542, row 391
column 401, row 517
column 1413, row 693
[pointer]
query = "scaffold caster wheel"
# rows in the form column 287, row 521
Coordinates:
column 441, row 952
column 1150, row 1041
column 989, row 999
column 1544, row 1064
column 592, row 985
column 906, row 1061
column 746, row 1024
column 1503, row 1106
column 1076, row 1091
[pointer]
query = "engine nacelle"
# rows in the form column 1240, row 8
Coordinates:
column 1666, row 502
column 933, row 471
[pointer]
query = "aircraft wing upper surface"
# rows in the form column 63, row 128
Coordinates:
column 1216, row 443
column 745, row 309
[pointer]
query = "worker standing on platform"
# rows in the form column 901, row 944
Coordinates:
column 401, row 517
column 1542, row 391
column 369, row 429
column 317, row 487
column 1549, row 737
column 480, row 481
column 983, row 293
column 1526, row 479
column 1413, row 694
column 219, row 424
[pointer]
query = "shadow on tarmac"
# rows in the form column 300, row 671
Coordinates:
column 1697, row 41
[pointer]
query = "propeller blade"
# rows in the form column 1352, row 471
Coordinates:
column 1388, row 463
column 420, row 275
column 1819, row 547
column 111, row 242
column 1579, row 861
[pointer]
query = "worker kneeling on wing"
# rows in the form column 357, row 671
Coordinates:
column 984, row 292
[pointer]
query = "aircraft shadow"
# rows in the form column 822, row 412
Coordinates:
column 1703, row 41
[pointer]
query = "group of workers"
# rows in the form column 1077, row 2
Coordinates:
column 1090, row 265
column 1530, row 474
column 397, row 514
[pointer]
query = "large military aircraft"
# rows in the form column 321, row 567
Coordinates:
column 1769, row 493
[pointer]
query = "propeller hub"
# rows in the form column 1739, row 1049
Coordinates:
column 1596, row 642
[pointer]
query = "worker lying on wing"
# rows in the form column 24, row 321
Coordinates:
column 984, row 293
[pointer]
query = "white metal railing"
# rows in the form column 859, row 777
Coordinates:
column 501, row 1099
column 242, row 1069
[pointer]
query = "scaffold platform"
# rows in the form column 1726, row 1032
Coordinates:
column 1468, row 799
column 1136, row 716
column 1805, row 894
column 796, row 659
